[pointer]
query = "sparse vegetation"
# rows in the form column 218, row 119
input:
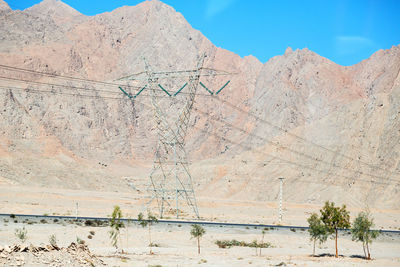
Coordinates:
column 202, row 261
column 317, row 230
column 53, row 240
column 197, row 232
column 262, row 239
column 235, row 243
column 149, row 222
column 115, row 224
column 361, row 231
column 80, row 241
column 335, row 218
column 22, row 234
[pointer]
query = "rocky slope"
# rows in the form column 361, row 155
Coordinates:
column 332, row 131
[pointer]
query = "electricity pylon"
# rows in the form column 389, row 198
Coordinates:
column 170, row 179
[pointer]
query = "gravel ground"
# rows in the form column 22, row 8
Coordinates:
column 174, row 247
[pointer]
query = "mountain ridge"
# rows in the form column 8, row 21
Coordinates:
column 46, row 5
column 4, row 6
column 351, row 110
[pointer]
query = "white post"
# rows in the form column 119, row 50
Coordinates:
column 280, row 198
column 76, row 211
column 176, row 181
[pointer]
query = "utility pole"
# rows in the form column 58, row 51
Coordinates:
column 170, row 177
column 176, row 182
column 280, row 198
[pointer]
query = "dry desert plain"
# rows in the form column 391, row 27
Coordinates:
column 174, row 244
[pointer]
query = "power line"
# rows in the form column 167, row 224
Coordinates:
column 231, row 125
column 288, row 162
column 226, row 123
column 68, row 87
column 280, row 146
column 174, row 74
column 279, row 158
column 10, row 68
column 224, row 101
column 57, row 85
column 57, row 93
column 55, row 75
column 29, row 90
column 297, row 136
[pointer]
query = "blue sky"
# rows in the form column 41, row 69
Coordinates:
column 344, row 31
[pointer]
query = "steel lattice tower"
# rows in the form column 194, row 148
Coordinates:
column 170, row 179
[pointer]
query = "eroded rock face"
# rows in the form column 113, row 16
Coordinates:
column 4, row 6
column 316, row 120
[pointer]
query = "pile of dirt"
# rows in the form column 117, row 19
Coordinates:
column 29, row 255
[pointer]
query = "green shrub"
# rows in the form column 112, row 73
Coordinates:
column 21, row 233
column 53, row 240
column 235, row 243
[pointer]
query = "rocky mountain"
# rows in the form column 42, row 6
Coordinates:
column 4, row 6
column 332, row 131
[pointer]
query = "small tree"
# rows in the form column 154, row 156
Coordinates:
column 361, row 231
column 197, row 232
column 149, row 222
column 262, row 240
column 53, row 241
column 335, row 218
column 317, row 230
column 115, row 224
column 22, row 234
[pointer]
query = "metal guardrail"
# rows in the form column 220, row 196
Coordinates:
column 176, row 222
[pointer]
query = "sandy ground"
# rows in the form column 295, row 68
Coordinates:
column 176, row 248
column 51, row 201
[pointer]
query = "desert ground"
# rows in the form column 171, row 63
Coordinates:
column 72, row 144
column 174, row 244
column 53, row 201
